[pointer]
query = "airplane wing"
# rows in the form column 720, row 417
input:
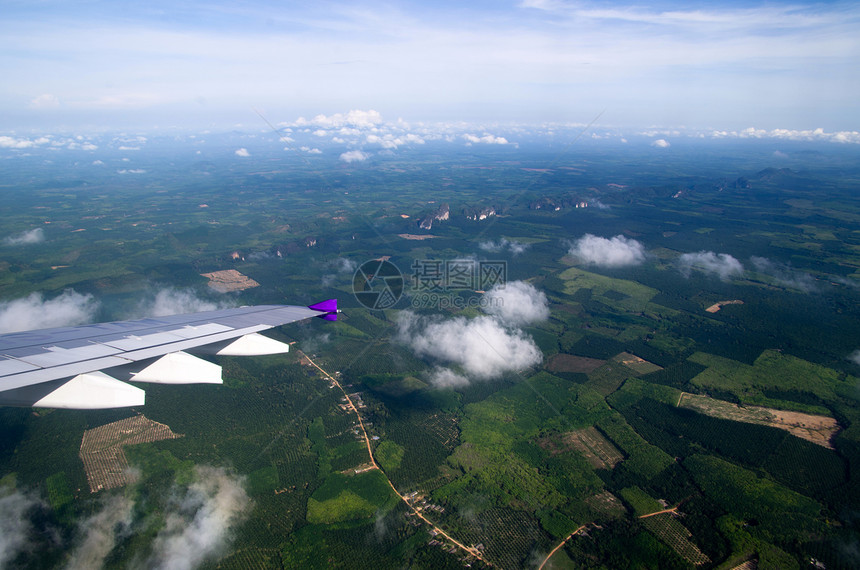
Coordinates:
column 84, row 367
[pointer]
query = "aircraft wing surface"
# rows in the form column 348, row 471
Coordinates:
column 81, row 367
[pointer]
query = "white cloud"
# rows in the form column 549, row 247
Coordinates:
column 661, row 143
column 390, row 141
column 618, row 251
column 99, row 533
column 34, row 312
column 486, row 139
column 354, row 118
column 36, row 235
column 513, row 246
column 344, row 265
column 131, row 170
column 11, row 142
column 243, row 152
column 15, row 525
column 172, row 301
column 441, row 377
column 354, row 156
column 199, row 526
column 809, row 135
column 721, row 264
column 516, row 303
column 482, row 347
column 855, row 356
column 784, row 274
column 341, row 265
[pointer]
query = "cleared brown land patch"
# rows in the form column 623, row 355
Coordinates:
column 102, row 449
column 596, row 449
column 229, row 280
column 570, row 363
column 817, row 429
column 636, row 364
column 717, row 306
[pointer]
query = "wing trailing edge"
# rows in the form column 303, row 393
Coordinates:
column 87, row 367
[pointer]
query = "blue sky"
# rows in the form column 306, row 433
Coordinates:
column 724, row 65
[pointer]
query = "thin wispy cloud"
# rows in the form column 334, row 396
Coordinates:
column 722, row 265
column 36, row 312
column 16, row 528
column 504, row 245
column 199, row 526
column 784, row 274
column 168, row 301
column 773, row 65
column 27, row 237
column 99, row 533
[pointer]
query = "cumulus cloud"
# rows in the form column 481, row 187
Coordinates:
column 11, row 142
column 354, row 156
column 516, row 303
column 34, row 312
column 661, row 143
column 784, row 274
column 354, row 118
column 170, row 301
column 819, row 134
column 199, row 526
column 485, row 139
column 618, row 251
column 15, row 525
column 855, row 356
column 36, row 235
column 721, row 264
column 390, row 141
column 99, row 533
column 243, row 152
column 503, row 244
column 482, row 347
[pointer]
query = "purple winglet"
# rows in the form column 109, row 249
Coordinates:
column 329, row 317
column 327, row 306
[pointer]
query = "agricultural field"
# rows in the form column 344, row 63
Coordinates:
column 102, row 449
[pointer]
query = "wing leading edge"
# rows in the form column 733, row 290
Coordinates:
column 86, row 367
